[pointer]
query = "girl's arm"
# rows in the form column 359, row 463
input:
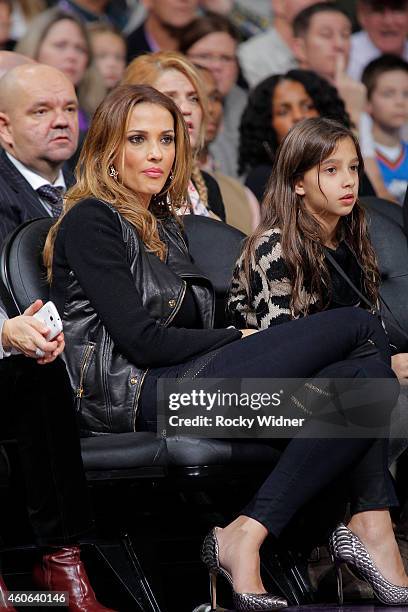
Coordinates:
column 267, row 303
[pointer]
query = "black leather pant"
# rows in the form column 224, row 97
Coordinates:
column 37, row 408
column 317, row 345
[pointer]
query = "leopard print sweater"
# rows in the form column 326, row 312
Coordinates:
column 270, row 291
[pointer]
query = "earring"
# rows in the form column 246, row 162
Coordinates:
column 113, row 172
column 171, row 175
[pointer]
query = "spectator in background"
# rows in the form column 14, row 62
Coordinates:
column 241, row 206
column 176, row 77
column 161, row 30
column 385, row 30
column 109, row 52
column 250, row 18
column 274, row 107
column 111, row 11
column 322, row 43
column 5, row 24
column 386, row 79
column 271, row 52
column 61, row 40
column 23, row 12
column 322, row 35
column 211, row 41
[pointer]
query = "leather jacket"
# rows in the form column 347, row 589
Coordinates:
column 107, row 385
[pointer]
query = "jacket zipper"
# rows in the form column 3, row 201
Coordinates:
column 166, row 324
column 85, row 361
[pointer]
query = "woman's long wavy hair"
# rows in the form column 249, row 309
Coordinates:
column 306, row 146
column 104, row 147
column 258, row 140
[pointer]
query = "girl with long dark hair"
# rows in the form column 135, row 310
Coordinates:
column 311, row 218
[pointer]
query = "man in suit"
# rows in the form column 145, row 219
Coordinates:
column 36, row 407
column 38, row 133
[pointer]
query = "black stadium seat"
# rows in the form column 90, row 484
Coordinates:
column 385, row 222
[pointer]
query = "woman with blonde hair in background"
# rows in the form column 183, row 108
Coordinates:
column 172, row 74
column 60, row 39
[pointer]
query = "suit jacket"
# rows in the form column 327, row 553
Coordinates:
column 18, row 200
column 137, row 43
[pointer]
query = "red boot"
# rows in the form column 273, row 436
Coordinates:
column 63, row 570
column 3, row 597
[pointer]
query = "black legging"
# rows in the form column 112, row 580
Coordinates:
column 300, row 349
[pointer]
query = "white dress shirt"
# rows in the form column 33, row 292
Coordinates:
column 36, row 181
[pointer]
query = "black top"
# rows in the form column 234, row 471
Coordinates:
column 215, row 201
column 258, row 177
column 342, row 294
column 137, row 43
column 257, row 180
column 90, row 243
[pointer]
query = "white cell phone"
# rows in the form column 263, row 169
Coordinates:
column 48, row 314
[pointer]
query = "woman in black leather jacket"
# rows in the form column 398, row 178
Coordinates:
column 135, row 309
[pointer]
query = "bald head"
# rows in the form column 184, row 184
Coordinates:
column 11, row 59
column 38, row 117
column 26, row 76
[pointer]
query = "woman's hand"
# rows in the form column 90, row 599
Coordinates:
column 399, row 364
column 248, row 332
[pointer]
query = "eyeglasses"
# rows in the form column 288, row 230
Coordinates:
column 211, row 58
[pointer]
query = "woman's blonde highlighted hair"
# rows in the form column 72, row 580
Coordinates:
column 104, row 146
column 148, row 68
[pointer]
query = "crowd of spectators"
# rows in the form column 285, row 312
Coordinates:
column 241, row 45
column 240, row 77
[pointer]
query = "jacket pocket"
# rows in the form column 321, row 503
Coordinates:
column 86, row 359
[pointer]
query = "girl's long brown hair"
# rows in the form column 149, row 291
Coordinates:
column 104, row 145
column 307, row 145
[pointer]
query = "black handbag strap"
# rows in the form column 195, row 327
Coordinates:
column 361, row 295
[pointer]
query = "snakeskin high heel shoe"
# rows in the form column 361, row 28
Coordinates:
column 243, row 602
column 345, row 547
